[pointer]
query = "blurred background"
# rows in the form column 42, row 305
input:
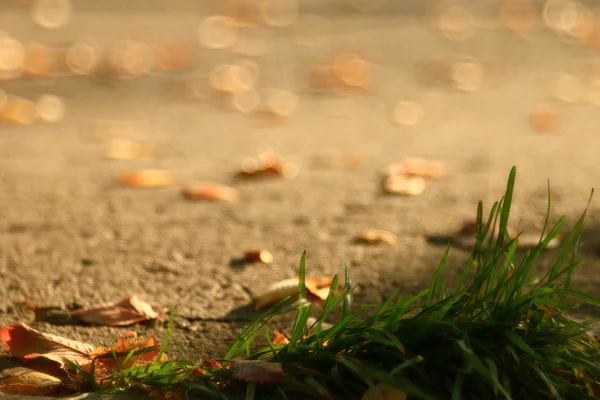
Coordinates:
column 131, row 133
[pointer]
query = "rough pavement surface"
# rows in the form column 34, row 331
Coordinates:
column 70, row 234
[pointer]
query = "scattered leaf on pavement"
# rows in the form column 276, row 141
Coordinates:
column 23, row 341
column 259, row 255
column 318, row 286
column 26, row 381
column 129, row 311
column 210, row 192
column 267, row 165
column 257, row 371
column 375, row 236
column 145, row 178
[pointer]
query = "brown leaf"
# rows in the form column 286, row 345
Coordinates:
column 267, row 165
column 279, row 337
column 210, row 192
column 257, row 371
column 26, row 381
column 23, row 341
column 289, row 287
column 105, row 364
column 128, row 311
column 145, row 178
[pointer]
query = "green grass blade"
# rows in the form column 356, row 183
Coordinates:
column 438, row 279
column 304, row 311
column 165, row 342
column 250, row 391
column 347, row 290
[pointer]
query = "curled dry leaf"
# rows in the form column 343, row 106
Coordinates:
column 23, row 341
column 128, row 311
column 26, row 381
column 382, row 391
column 210, row 192
column 279, row 338
column 145, row 178
column 259, row 255
column 267, row 165
column 257, row 371
column 318, row 286
column 375, row 236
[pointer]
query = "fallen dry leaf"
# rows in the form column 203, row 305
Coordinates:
column 375, row 236
column 210, row 191
column 259, row 255
column 145, row 178
column 318, row 287
column 105, row 363
column 26, row 381
column 257, row 371
column 128, row 311
column 382, row 391
column 267, row 164
column 23, row 341
column 279, row 338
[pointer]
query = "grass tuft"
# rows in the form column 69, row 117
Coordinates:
column 497, row 335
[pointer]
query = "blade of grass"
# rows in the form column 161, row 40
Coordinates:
column 347, row 290
column 438, row 279
column 165, row 341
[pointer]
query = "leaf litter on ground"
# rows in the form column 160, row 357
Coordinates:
column 495, row 335
column 128, row 311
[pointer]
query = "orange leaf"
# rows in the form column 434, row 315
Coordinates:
column 23, row 341
column 26, row 381
column 128, row 311
column 257, row 371
column 317, row 286
column 105, row 364
column 279, row 337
